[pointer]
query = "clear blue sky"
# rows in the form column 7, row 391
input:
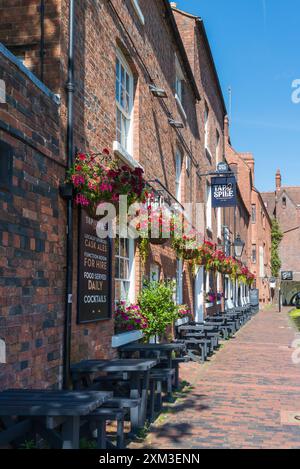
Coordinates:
column 256, row 46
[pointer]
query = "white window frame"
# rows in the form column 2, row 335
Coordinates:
column 219, row 222
column 179, row 84
column 138, row 11
column 261, row 262
column 126, row 147
column 178, row 171
column 208, row 207
column 206, row 126
column 179, row 282
column 130, row 297
column 218, row 144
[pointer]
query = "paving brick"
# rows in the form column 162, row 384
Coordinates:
column 238, row 398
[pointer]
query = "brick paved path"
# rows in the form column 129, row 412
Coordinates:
column 242, row 397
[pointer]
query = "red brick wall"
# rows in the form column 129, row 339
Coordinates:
column 32, row 236
column 21, row 33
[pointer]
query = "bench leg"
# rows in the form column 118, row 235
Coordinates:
column 176, row 384
column 101, row 434
column 152, row 401
column 120, row 433
column 159, row 395
column 70, row 433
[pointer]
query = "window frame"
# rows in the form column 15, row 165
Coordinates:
column 178, row 174
column 208, row 206
column 138, row 11
column 130, row 280
column 127, row 115
column 253, row 213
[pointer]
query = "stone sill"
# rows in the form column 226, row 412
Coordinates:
column 120, row 151
column 126, row 338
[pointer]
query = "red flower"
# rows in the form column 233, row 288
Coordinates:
column 105, row 151
column 78, row 168
column 82, row 157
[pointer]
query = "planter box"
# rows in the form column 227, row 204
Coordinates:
column 126, row 338
column 182, row 321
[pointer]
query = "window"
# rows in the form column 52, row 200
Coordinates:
column 253, row 255
column 154, row 272
column 179, row 83
column 253, row 213
column 138, row 10
column 219, row 222
column 178, row 174
column 206, row 125
column 124, row 102
column 179, row 283
column 124, row 269
column 188, row 165
column 261, row 262
column 284, row 202
column 208, row 207
column 217, row 147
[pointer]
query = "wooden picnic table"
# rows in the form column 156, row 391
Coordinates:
column 134, row 371
column 48, row 409
column 164, row 348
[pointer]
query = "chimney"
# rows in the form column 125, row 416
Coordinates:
column 249, row 159
column 173, row 5
column 278, row 180
column 226, row 129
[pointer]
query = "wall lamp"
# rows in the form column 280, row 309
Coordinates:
column 238, row 246
column 158, row 92
column 176, row 124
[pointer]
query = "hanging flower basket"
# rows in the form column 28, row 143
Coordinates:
column 96, row 179
column 158, row 241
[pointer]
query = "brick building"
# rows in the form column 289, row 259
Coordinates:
column 128, row 56
column 284, row 205
column 255, row 227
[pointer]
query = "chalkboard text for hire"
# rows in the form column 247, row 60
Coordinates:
column 94, row 273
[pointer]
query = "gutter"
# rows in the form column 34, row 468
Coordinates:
column 171, row 20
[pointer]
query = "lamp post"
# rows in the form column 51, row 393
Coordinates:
column 238, row 246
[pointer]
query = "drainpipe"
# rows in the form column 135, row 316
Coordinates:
column 42, row 43
column 70, row 88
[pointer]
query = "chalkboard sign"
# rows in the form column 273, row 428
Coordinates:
column 224, row 192
column 254, row 297
column 287, row 276
column 94, row 272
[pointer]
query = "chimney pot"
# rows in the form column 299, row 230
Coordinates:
column 173, row 5
column 278, row 180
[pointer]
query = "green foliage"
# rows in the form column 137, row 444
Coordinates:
column 277, row 236
column 158, row 306
column 87, row 444
column 28, row 444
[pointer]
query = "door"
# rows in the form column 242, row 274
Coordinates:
column 199, row 295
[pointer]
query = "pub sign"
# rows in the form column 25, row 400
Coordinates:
column 224, row 193
column 94, row 272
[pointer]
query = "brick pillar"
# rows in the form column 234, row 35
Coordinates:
column 278, row 180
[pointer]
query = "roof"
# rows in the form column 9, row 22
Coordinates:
column 171, row 20
column 269, row 198
column 293, row 192
column 200, row 24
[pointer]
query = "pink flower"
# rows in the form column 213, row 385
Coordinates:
column 82, row 200
column 78, row 180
